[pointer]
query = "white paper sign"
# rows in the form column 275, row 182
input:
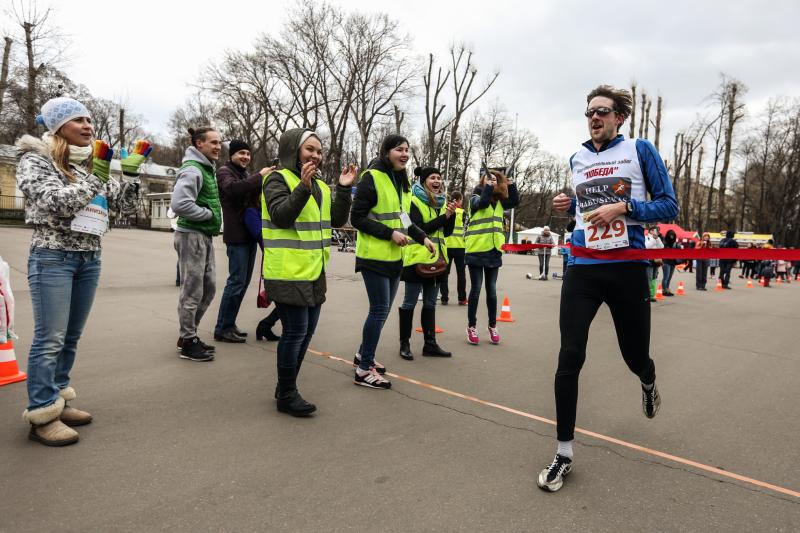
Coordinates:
column 607, row 237
column 93, row 218
column 405, row 220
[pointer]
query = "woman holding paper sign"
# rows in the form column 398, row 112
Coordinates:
column 66, row 201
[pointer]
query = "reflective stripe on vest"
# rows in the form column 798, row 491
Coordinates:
column 485, row 230
column 456, row 240
column 416, row 253
column 301, row 252
column 386, row 211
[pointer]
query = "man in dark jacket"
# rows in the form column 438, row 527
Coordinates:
column 726, row 265
column 234, row 188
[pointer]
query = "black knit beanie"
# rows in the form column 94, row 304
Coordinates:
column 424, row 172
column 237, row 145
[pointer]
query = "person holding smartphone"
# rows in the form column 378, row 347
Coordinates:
column 485, row 239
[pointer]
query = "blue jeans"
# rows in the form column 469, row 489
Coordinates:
column 668, row 270
column 476, row 275
column 299, row 323
column 62, row 286
column 412, row 294
column 241, row 259
column 381, row 292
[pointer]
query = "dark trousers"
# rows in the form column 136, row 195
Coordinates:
column 241, row 260
column 544, row 264
column 381, row 292
column 455, row 255
column 701, row 276
column 476, row 275
column 299, row 323
column 725, row 272
column 624, row 288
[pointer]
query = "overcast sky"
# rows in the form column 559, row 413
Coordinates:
column 549, row 53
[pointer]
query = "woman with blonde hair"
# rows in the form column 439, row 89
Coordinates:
column 66, row 202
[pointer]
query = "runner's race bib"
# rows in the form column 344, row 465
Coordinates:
column 607, row 237
column 93, row 218
column 598, row 192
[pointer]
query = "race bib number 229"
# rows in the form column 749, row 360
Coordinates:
column 608, row 236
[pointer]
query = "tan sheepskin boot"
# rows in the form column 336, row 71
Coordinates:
column 46, row 426
column 71, row 416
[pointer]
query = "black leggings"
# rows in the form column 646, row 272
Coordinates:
column 624, row 288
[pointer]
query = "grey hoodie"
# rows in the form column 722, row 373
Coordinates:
column 187, row 187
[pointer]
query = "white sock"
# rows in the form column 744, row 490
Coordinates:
column 649, row 387
column 565, row 448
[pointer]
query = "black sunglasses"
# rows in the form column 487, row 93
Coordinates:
column 602, row 111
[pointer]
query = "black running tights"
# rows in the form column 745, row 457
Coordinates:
column 624, row 288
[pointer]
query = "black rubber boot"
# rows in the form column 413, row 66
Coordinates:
column 431, row 349
column 406, row 322
column 289, row 399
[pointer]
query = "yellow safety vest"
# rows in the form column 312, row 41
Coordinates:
column 299, row 253
column 456, row 240
column 386, row 211
column 416, row 253
column 485, row 230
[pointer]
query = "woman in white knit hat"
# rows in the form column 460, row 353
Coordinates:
column 66, row 202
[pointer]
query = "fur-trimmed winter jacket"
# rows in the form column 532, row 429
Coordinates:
column 51, row 200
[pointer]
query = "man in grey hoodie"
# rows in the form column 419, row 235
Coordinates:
column 195, row 199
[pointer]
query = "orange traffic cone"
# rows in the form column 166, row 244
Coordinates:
column 505, row 311
column 778, row 280
column 761, row 281
column 749, row 283
column 9, row 371
column 680, row 291
column 719, row 285
column 659, row 293
column 437, row 329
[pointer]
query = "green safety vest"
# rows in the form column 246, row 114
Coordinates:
column 208, row 197
column 485, row 230
column 386, row 211
column 299, row 253
column 456, row 240
column 416, row 253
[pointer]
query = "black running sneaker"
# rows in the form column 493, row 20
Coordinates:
column 192, row 349
column 651, row 401
column 552, row 478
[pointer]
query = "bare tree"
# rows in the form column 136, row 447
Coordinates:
column 433, row 109
column 464, row 73
column 4, row 72
column 632, row 127
column 658, row 123
column 43, row 48
column 731, row 92
column 378, row 56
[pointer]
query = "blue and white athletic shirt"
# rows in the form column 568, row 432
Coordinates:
column 623, row 170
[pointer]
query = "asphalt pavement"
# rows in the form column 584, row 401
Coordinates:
column 184, row 446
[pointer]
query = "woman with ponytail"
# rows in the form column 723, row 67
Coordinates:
column 433, row 216
column 66, row 202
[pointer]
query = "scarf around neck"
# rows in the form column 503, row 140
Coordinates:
column 420, row 192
